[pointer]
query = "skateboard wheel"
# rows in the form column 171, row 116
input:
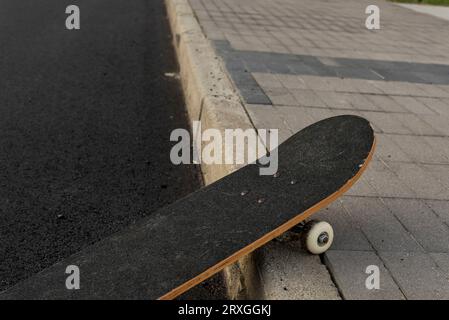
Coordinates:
column 318, row 236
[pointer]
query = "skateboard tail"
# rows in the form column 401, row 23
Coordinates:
column 271, row 235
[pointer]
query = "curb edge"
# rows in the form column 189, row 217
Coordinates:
column 211, row 98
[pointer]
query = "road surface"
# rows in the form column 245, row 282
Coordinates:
column 85, row 120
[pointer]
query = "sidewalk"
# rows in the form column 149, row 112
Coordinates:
column 437, row 11
column 295, row 62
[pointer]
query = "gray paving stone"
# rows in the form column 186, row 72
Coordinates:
column 417, row 275
column 362, row 188
column 292, row 81
column 385, row 103
column 267, row 80
column 441, row 208
column 439, row 124
column 417, row 124
column 250, row 91
column 307, row 98
column 386, row 182
column 431, row 78
column 442, row 261
column 243, row 79
column 444, row 88
column 381, row 227
column 412, row 104
column 334, row 100
column 364, row 86
column 357, row 73
column 317, row 83
column 387, row 123
column 439, row 143
column 339, row 85
column 361, row 102
column 319, row 114
column 420, row 181
column 439, row 106
column 419, row 150
column 349, row 271
column 281, row 96
column 235, row 64
column 329, row 61
column 255, row 96
column 276, row 65
column 388, row 150
column 425, row 226
column 397, row 87
column 295, row 117
column 302, row 69
column 433, row 91
column 439, row 172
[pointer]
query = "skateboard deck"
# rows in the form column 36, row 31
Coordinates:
column 183, row 244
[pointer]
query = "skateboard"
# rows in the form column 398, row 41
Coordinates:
column 184, row 243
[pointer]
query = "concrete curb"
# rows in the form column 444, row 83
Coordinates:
column 209, row 94
column 211, row 99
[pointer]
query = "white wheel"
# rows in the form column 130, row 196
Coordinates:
column 318, row 236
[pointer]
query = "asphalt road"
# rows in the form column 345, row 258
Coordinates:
column 85, row 120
